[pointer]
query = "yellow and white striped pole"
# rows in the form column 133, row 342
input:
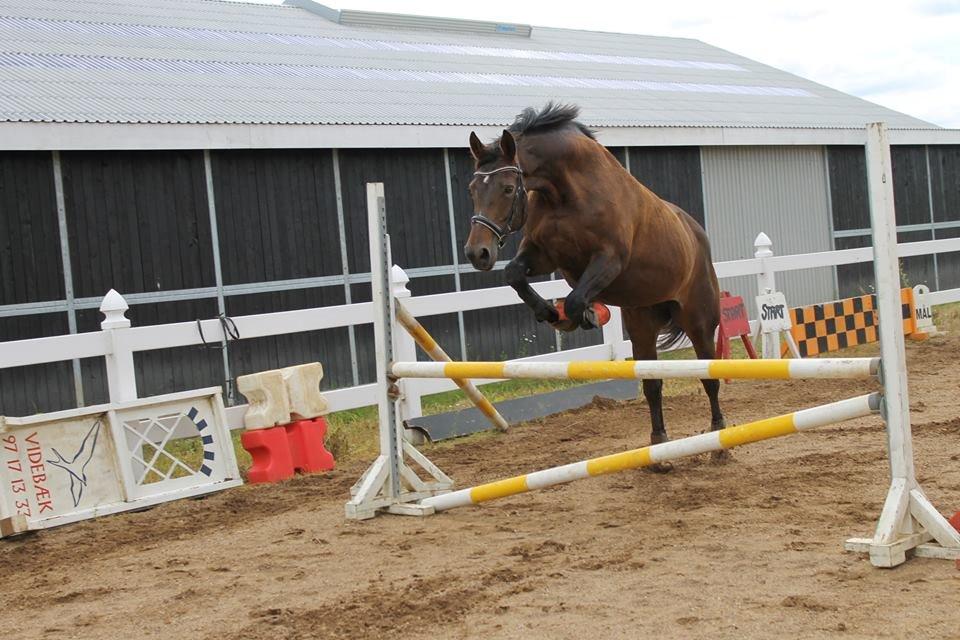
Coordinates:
column 640, row 369
column 664, row 452
column 432, row 349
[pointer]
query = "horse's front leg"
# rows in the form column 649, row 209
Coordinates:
column 600, row 272
column 530, row 262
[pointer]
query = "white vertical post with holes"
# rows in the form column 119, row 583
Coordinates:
column 404, row 350
column 390, row 484
column 908, row 521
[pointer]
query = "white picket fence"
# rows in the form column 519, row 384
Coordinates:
column 117, row 340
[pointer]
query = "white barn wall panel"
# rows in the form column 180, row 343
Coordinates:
column 781, row 191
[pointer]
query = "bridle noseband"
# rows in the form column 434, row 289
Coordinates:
column 519, row 202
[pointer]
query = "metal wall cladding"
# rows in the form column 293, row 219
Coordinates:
column 781, row 191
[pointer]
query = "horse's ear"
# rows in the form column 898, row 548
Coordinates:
column 508, row 145
column 476, row 147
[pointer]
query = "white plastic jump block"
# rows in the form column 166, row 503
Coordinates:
column 280, row 396
column 303, row 390
column 267, row 395
column 62, row 467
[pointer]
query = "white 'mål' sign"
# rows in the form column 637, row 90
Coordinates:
column 922, row 312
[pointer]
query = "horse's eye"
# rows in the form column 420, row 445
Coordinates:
column 508, row 189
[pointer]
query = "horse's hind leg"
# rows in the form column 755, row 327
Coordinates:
column 701, row 330
column 643, row 326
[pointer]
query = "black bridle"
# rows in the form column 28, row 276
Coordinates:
column 519, row 204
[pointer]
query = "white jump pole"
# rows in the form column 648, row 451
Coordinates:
column 640, row 369
column 908, row 519
column 665, row 452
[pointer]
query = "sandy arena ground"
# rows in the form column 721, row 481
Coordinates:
column 749, row 549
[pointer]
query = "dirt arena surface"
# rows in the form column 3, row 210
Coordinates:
column 749, row 549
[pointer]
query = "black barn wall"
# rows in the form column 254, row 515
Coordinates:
column 31, row 271
column 945, row 192
column 139, row 222
column 921, row 197
column 418, row 221
column 277, row 220
column 673, row 173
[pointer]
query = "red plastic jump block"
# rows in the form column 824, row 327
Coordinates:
column 279, row 452
column 307, row 447
column 272, row 460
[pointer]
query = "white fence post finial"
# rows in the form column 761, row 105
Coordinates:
column 766, row 280
column 114, row 310
column 762, row 245
column 121, row 373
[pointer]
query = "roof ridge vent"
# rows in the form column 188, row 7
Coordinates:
column 322, row 10
column 401, row 21
column 429, row 23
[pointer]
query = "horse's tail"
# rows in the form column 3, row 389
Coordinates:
column 670, row 336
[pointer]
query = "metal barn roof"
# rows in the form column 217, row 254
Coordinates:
column 205, row 62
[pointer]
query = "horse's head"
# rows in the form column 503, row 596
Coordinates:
column 499, row 199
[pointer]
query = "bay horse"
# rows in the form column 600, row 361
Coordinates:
column 613, row 240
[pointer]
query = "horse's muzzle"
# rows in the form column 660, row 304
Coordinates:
column 482, row 258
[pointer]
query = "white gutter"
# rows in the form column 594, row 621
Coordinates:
column 33, row 136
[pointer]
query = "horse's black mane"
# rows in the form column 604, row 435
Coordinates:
column 552, row 116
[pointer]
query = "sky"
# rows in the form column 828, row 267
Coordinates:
column 903, row 54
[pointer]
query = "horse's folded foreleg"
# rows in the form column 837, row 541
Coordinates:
column 600, row 272
column 528, row 262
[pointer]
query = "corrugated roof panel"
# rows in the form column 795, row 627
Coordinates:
column 190, row 61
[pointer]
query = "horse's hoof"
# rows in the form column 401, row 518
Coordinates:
column 589, row 320
column 661, row 467
column 721, row 457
